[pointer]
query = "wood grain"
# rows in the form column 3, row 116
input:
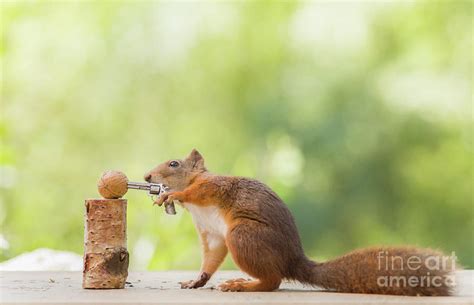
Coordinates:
column 105, row 244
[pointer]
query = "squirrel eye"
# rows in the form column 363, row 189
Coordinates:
column 174, row 164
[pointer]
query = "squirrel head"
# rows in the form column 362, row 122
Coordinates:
column 177, row 174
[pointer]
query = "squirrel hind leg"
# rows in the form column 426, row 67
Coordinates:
column 254, row 256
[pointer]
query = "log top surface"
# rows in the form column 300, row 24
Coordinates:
column 163, row 288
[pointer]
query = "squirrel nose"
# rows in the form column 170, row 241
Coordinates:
column 147, row 177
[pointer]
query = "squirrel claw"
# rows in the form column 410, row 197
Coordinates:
column 193, row 284
column 162, row 199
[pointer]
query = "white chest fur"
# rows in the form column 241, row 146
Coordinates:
column 208, row 220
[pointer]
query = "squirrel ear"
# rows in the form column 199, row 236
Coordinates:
column 196, row 159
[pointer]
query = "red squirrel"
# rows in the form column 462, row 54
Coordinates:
column 246, row 218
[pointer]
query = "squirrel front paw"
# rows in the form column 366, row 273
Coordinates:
column 166, row 198
column 193, row 284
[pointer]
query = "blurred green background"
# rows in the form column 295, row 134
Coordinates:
column 358, row 114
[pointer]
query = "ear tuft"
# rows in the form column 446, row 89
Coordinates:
column 196, row 159
column 195, row 155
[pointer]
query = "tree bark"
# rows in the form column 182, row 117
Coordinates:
column 105, row 244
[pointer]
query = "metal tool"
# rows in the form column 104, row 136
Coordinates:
column 153, row 189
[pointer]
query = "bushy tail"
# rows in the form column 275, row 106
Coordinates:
column 394, row 270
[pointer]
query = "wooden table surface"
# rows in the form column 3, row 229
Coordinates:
column 162, row 288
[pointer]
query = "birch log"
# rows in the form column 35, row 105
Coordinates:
column 105, row 244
